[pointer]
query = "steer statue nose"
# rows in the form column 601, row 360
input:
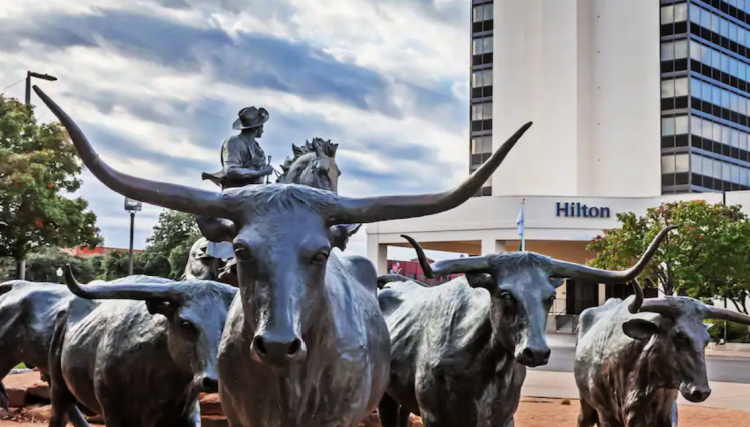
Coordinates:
column 278, row 350
column 534, row 356
column 697, row 394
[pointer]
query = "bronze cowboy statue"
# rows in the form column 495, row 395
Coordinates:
column 243, row 161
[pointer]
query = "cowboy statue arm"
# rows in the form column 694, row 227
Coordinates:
column 235, row 166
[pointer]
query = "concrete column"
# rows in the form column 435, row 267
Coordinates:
column 378, row 254
column 492, row 246
column 602, row 293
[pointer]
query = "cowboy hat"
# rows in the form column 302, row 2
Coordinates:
column 250, row 117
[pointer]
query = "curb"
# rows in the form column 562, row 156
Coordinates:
column 734, row 355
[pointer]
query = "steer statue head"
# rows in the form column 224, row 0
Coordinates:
column 195, row 312
column 281, row 236
column 676, row 338
column 522, row 287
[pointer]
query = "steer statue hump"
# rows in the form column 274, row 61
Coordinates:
column 469, row 341
column 305, row 343
column 634, row 356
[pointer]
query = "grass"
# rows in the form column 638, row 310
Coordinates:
column 20, row 366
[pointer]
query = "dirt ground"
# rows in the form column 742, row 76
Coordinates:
column 537, row 412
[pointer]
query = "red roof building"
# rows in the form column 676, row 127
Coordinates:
column 84, row 252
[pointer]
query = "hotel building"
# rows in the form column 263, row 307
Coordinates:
column 634, row 103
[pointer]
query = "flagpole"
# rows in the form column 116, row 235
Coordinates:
column 523, row 217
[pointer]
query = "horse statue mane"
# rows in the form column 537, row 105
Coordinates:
column 326, row 147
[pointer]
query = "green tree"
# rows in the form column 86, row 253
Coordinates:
column 114, row 265
column 707, row 256
column 167, row 249
column 42, row 265
column 38, row 168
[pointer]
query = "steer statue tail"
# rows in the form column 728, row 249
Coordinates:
column 63, row 403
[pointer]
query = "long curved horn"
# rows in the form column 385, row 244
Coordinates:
column 374, row 209
column 711, row 312
column 638, row 301
column 664, row 306
column 144, row 292
column 582, row 272
column 446, row 267
column 171, row 196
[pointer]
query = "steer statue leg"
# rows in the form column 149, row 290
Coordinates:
column 64, row 407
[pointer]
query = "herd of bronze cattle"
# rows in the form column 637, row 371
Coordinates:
column 307, row 337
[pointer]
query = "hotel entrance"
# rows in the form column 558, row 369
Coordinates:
column 580, row 295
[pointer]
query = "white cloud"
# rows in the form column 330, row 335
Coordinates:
column 403, row 43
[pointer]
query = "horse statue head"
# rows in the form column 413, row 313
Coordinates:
column 313, row 164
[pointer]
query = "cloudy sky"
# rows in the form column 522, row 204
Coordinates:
column 156, row 85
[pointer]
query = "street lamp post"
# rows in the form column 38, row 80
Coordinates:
column 59, row 274
column 29, row 75
column 21, row 265
column 132, row 206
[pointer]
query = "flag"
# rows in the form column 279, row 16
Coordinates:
column 520, row 222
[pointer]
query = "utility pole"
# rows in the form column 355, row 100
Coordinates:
column 21, row 264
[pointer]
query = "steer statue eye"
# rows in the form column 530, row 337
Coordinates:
column 241, row 252
column 320, row 258
column 682, row 339
column 187, row 326
column 506, row 296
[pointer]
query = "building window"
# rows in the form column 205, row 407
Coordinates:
column 739, row 9
column 719, row 30
column 482, row 50
column 481, row 150
column 713, row 174
column 674, row 56
column 719, row 139
column 674, row 94
column 674, row 19
column 675, row 169
column 482, row 19
column 717, row 101
column 481, row 83
column 674, row 132
column 719, row 66
column 481, row 145
column 481, row 116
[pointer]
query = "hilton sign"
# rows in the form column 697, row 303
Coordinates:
column 578, row 210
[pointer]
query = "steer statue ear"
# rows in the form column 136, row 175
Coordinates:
column 556, row 282
column 640, row 329
column 216, row 230
column 165, row 308
column 340, row 234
